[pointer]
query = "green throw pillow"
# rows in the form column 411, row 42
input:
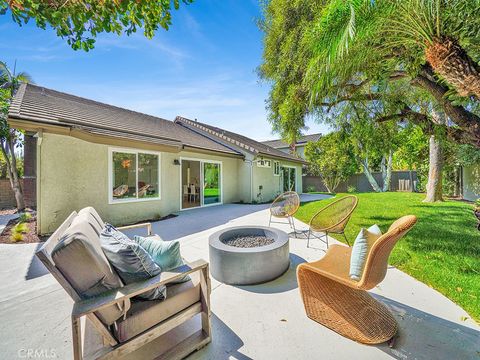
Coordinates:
column 165, row 254
column 362, row 245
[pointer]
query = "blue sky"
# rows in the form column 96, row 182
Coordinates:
column 203, row 67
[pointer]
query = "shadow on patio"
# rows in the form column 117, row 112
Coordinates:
column 425, row 336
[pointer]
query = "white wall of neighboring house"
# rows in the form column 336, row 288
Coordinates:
column 471, row 182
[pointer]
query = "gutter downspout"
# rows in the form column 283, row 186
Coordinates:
column 251, row 162
column 39, row 136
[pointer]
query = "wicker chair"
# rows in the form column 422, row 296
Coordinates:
column 334, row 300
column 333, row 218
column 284, row 207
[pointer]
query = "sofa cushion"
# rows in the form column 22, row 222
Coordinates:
column 145, row 314
column 93, row 219
column 362, row 245
column 166, row 254
column 80, row 259
column 130, row 260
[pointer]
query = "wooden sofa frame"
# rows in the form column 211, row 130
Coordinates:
column 88, row 307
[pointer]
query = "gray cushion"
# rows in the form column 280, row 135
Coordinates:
column 145, row 314
column 130, row 260
column 93, row 219
column 79, row 257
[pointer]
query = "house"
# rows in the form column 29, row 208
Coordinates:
column 299, row 145
column 132, row 166
column 471, row 182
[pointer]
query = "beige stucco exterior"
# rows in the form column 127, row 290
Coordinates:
column 73, row 173
column 471, row 182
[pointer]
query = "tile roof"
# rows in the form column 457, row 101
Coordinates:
column 279, row 143
column 240, row 141
column 39, row 104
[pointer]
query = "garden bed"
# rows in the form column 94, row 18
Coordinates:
column 30, row 235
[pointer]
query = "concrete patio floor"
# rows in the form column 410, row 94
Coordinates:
column 249, row 322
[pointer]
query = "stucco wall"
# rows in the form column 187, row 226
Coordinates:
column 74, row 173
column 471, row 182
column 272, row 185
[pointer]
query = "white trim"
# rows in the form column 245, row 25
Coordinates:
column 261, row 163
column 111, row 150
column 201, row 161
column 279, row 166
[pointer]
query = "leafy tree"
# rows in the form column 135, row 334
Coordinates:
column 286, row 55
column 360, row 46
column 10, row 138
column 80, row 21
column 320, row 155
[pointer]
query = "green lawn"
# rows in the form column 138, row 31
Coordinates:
column 211, row 192
column 442, row 250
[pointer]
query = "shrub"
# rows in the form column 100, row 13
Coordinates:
column 18, row 231
column 24, row 217
column 351, row 189
column 311, row 188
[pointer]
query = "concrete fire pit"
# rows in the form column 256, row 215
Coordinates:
column 247, row 255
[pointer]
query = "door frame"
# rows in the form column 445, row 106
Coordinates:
column 202, row 180
column 283, row 179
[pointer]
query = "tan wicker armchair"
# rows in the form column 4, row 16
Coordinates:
column 334, row 300
column 332, row 219
column 285, row 206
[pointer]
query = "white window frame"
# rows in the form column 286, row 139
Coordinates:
column 202, row 180
column 275, row 164
column 261, row 163
column 111, row 199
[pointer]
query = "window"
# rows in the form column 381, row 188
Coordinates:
column 276, row 168
column 264, row 163
column 134, row 175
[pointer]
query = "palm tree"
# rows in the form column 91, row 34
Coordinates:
column 359, row 45
column 9, row 138
column 425, row 24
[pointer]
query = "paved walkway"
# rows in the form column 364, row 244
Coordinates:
column 249, row 322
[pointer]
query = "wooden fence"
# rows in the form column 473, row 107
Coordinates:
column 401, row 181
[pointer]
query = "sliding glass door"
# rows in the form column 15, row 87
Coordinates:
column 201, row 183
column 212, row 192
column 288, row 178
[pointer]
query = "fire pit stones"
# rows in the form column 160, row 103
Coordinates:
column 248, row 265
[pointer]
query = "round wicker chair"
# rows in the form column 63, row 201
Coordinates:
column 284, row 207
column 334, row 300
column 332, row 219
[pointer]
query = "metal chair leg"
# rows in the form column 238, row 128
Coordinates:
column 270, row 221
column 308, row 238
column 293, row 224
column 326, row 238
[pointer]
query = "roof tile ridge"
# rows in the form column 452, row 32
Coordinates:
column 210, row 130
column 17, row 100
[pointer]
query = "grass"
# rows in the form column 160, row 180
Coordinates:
column 211, row 192
column 442, row 250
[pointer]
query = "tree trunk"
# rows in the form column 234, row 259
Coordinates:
column 467, row 121
column 369, row 176
column 435, row 165
column 13, row 175
column 449, row 60
column 387, row 172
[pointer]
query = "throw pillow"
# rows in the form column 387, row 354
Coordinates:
column 362, row 245
column 165, row 254
column 130, row 260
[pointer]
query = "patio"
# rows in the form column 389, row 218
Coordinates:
column 249, row 322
